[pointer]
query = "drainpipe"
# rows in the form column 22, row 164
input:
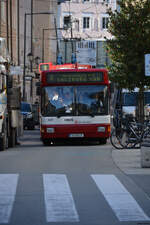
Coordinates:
column 18, row 30
column 11, row 33
column 31, row 66
column 7, row 25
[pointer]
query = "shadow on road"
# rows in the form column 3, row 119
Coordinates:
column 31, row 138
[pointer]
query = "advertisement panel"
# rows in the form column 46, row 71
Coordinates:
column 86, row 52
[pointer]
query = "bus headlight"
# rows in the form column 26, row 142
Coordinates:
column 101, row 129
column 50, row 130
column 42, row 130
column 1, row 116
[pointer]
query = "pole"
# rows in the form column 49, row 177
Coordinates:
column 18, row 28
column 7, row 25
column 57, row 50
column 31, row 66
column 0, row 20
column 65, row 51
column 43, row 40
column 71, row 37
column 43, row 45
column 24, row 63
column 11, row 40
column 24, row 67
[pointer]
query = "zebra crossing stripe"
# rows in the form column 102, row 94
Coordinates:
column 60, row 206
column 8, row 186
column 120, row 200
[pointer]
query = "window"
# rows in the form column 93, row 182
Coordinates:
column 75, row 1
column 86, row 22
column 105, row 21
column 75, row 100
column 67, row 21
column 96, row 1
column 86, row 0
column 77, row 25
column 107, row 1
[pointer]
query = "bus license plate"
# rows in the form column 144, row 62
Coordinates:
column 76, row 135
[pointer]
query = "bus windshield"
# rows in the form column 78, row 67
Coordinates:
column 75, row 100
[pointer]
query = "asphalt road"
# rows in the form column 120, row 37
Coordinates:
column 69, row 184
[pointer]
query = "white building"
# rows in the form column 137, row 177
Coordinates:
column 88, row 19
column 84, row 20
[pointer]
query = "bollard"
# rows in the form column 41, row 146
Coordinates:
column 145, row 154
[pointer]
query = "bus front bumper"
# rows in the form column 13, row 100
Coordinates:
column 75, row 131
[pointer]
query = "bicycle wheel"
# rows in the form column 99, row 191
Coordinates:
column 115, row 140
column 128, row 140
column 146, row 133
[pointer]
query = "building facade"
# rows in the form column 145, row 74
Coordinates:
column 8, row 26
column 85, row 19
column 40, row 22
column 84, row 24
column 19, row 45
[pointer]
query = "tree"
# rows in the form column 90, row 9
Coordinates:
column 130, row 28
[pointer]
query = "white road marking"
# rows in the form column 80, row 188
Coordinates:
column 121, row 201
column 60, row 206
column 8, row 186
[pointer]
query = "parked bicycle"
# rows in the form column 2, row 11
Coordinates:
column 130, row 134
column 115, row 137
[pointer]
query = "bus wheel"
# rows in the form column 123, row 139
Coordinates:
column 103, row 141
column 2, row 144
column 46, row 142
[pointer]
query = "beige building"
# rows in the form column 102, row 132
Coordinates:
column 8, row 26
column 41, row 22
column 12, row 28
column 37, row 38
column 12, row 15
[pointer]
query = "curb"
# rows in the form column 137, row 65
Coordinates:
column 129, row 161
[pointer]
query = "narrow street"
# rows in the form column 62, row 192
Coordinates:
column 76, row 69
column 69, row 184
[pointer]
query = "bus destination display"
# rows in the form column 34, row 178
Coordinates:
column 69, row 77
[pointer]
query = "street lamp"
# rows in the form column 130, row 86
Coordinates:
column 30, row 57
column 32, row 60
column 36, row 60
column 24, row 68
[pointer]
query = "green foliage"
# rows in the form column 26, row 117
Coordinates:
column 130, row 28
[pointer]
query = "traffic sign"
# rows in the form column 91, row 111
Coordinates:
column 147, row 64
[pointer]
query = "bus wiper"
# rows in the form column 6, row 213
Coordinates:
column 86, row 114
column 59, row 115
column 91, row 114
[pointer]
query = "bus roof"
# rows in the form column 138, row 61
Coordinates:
column 51, row 66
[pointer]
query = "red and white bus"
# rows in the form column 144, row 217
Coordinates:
column 75, row 103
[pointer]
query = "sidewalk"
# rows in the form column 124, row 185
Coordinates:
column 129, row 161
